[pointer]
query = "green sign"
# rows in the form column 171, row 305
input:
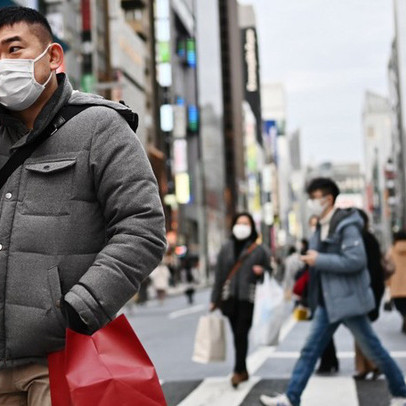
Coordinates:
column 164, row 51
column 87, row 83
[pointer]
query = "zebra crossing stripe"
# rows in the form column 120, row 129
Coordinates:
column 257, row 358
column 331, row 391
column 272, row 353
column 320, row 391
column 218, row 392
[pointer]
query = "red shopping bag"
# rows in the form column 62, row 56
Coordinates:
column 107, row 368
column 301, row 283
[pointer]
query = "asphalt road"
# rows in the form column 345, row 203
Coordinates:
column 167, row 332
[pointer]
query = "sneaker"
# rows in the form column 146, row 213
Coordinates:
column 398, row 402
column 280, row 400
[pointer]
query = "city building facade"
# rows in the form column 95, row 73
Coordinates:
column 397, row 94
column 377, row 127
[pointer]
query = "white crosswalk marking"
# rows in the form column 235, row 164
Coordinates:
column 218, row 392
column 340, row 354
column 256, row 359
column 337, row 391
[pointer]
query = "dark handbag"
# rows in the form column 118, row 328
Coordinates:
column 228, row 303
column 228, row 306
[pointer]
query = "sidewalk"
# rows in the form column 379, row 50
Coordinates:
column 180, row 289
column 173, row 291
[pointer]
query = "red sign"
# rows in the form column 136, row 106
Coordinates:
column 86, row 15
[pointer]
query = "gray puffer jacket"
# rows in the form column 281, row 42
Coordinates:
column 341, row 266
column 81, row 219
column 242, row 284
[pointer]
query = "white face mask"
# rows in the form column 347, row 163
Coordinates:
column 316, row 206
column 241, row 231
column 18, row 87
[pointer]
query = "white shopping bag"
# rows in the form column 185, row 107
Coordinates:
column 210, row 340
column 269, row 312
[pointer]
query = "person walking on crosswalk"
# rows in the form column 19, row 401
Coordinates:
column 241, row 263
column 343, row 295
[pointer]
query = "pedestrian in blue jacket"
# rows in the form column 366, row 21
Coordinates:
column 341, row 294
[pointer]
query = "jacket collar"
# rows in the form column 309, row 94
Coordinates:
column 16, row 129
column 344, row 217
column 326, row 220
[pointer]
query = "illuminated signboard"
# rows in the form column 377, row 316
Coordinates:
column 181, row 48
column 180, row 155
column 166, row 117
column 193, row 118
column 164, row 71
column 191, row 52
column 182, row 188
column 164, row 52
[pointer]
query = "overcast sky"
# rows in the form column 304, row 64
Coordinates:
column 327, row 53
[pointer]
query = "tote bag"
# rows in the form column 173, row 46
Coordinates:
column 107, row 368
column 210, row 339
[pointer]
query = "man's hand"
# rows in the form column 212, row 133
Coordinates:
column 310, row 257
column 258, row 270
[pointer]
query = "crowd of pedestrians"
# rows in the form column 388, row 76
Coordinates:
column 341, row 292
column 341, row 275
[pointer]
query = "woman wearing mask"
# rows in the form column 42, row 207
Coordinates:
column 241, row 263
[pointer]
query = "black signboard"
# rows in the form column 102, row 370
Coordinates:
column 252, row 84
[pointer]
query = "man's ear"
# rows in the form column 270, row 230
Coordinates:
column 56, row 56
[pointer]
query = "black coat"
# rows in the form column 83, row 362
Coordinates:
column 376, row 271
column 242, row 284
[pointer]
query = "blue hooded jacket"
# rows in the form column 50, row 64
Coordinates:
column 341, row 268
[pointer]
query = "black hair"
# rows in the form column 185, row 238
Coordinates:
column 291, row 250
column 399, row 236
column 326, row 185
column 254, row 233
column 17, row 14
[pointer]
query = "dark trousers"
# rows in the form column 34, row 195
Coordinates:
column 400, row 304
column 328, row 359
column 241, row 321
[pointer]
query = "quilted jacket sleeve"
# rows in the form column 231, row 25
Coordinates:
column 350, row 259
column 127, row 192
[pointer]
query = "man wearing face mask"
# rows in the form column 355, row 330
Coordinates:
column 240, row 265
column 81, row 223
column 341, row 295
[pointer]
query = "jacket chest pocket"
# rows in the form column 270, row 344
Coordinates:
column 47, row 187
